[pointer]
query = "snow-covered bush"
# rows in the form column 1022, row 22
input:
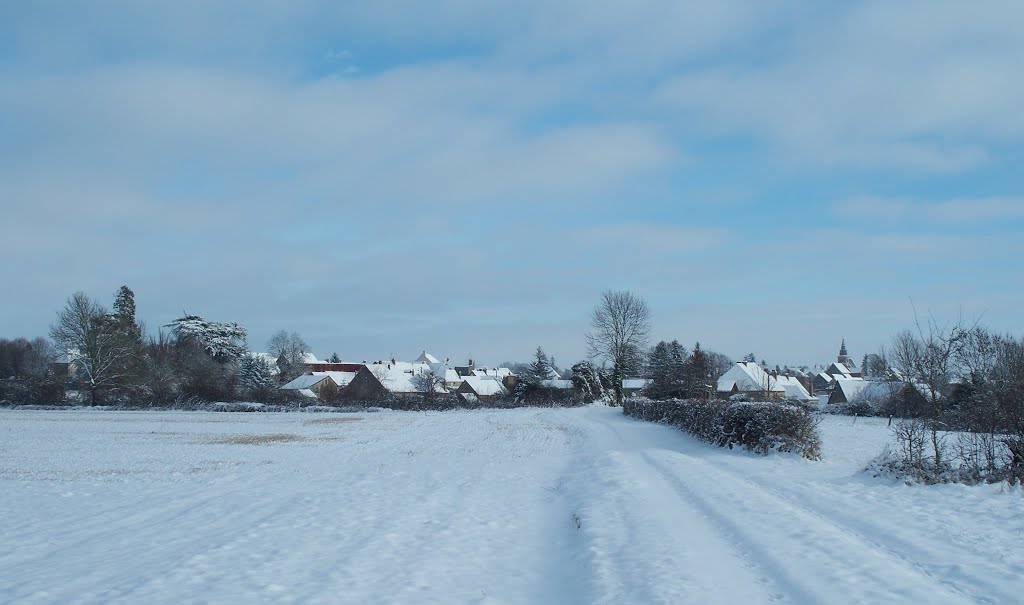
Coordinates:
column 588, row 382
column 760, row 427
column 965, row 456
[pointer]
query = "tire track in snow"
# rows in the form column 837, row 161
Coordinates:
column 643, row 541
column 907, row 552
column 814, row 540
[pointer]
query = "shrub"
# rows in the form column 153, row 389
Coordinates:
column 760, row 427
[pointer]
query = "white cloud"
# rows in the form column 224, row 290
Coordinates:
column 949, row 212
column 916, row 85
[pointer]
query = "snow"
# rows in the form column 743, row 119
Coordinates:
column 499, row 373
column 399, row 377
column 448, row 374
column 486, row 386
column 426, row 358
column 852, row 387
column 340, row 378
column 270, row 359
column 558, row 384
column 747, row 376
column 793, row 388
column 518, row 506
column 306, row 381
column 635, row 383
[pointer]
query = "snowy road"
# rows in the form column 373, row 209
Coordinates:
column 521, row 506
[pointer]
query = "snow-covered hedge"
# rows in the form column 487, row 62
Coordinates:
column 759, row 426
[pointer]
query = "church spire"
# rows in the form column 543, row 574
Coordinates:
column 844, row 357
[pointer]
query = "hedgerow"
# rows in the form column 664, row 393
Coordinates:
column 758, row 426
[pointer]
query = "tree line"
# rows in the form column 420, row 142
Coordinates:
column 105, row 355
column 966, row 421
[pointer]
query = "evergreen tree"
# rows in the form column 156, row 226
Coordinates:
column 659, row 370
column 255, row 373
column 538, row 371
column 698, row 374
column 128, row 333
column 209, row 354
column 124, row 314
column 678, row 355
column 224, row 342
column 587, row 381
column 749, row 358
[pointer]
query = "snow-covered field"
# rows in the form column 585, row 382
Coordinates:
column 521, row 506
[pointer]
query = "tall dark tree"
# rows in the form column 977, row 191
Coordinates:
column 530, row 383
column 699, row 380
column 666, row 369
column 124, row 313
column 129, row 331
column 659, row 370
column 539, row 369
column 678, row 355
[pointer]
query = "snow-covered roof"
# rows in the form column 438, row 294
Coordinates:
column 635, row 383
column 445, row 372
column 485, row 386
column 306, row 381
column 838, row 368
column 558, row 384
column 400, row 377
column 309, row 358
column 340, row 378
column 858, row 388
column 426, row 358
column 793, row 388
column 307, row 393
column 748, row 376
column 495, row 372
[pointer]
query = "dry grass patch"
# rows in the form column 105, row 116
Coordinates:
column 334, row 420
column 259, row 439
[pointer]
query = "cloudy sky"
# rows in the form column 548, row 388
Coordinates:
column 468, row 176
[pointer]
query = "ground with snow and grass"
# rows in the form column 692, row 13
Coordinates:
column 516, row 506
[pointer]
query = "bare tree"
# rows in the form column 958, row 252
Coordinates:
column 90, row 339
column 619, row 326
column 27, row 372
column 929, row 360
column 429, row 383
column 289, row 350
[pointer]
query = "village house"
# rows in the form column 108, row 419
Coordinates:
column 632, row 386
column 480, row 388
column 749, row 378
column 320, row 385
column 398, row 378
